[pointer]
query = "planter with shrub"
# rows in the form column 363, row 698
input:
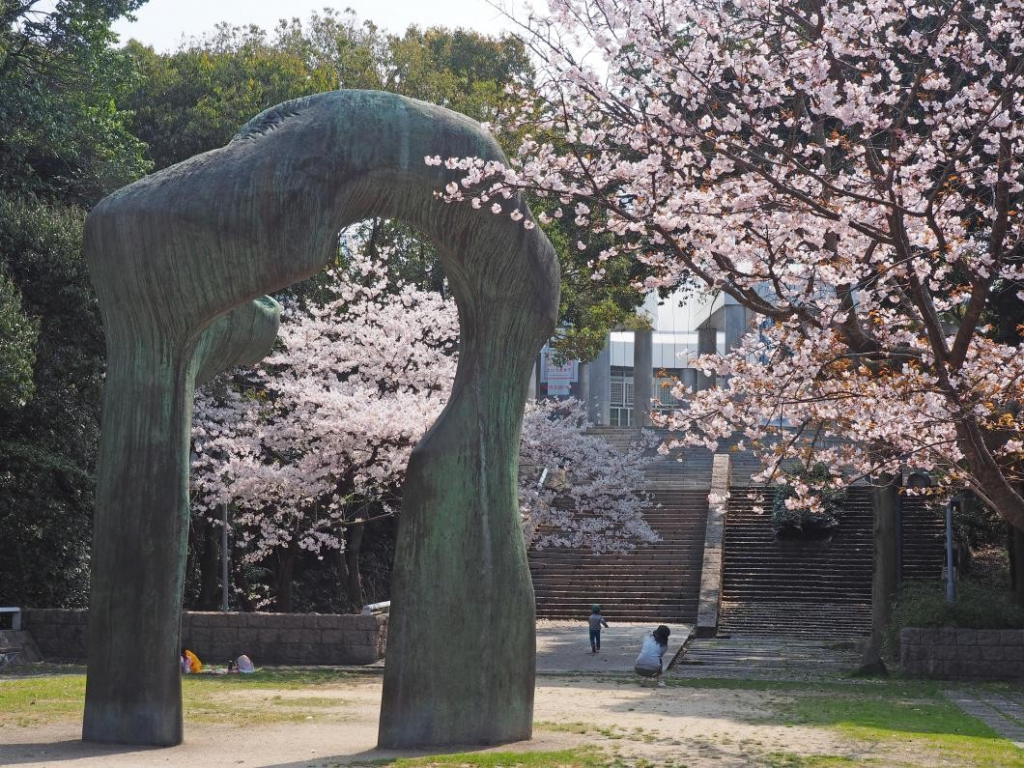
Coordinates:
column 793, row 516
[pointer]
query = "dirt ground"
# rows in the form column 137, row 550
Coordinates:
column 695, row 727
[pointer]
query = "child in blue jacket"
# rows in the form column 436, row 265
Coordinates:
column 596, row 620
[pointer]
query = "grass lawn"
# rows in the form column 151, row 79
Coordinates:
column 265, row 697
column 568, row 758
column 908, row 723
column 912, row 716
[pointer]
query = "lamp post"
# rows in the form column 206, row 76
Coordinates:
column 224, row 561
column 950, row 584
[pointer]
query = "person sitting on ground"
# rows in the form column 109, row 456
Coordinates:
column 242, row 664
column 190, row 663
column 648, row 663
column 596, row 620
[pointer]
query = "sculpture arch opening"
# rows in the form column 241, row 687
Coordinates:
column 181, row 261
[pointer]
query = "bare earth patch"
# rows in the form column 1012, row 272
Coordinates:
column 336, row 724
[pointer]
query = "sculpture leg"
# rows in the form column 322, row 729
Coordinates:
column 133, row 693
column 461, row 637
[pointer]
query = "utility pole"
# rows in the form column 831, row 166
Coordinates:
column 224, row 561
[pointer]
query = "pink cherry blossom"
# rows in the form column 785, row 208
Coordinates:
column 849, row 171
column 319, row 435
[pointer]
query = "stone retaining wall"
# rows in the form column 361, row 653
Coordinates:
column 964, row 654
column 710, row 599
column 268, row 638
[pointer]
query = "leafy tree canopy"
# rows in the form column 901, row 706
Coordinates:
column 17, row 348
column 63, row 133
column 48, row 445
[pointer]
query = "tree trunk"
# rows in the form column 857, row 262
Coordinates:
column 338, row 556
column 209, row 567
column 242, row 589
column 283, row 579
column 353, row 580
column 885, row 501
column 1016, row 549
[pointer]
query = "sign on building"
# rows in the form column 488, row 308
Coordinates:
column 559, row 377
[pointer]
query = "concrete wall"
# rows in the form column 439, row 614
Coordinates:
column 965, row 654
column 268, row 638
column 710, row 599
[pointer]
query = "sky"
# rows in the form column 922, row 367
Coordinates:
column 164, row 23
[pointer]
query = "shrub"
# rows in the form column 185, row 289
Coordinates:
column 976, row 606
column 819, row 511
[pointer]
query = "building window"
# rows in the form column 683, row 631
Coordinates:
column 664, row 382
column 620, row 412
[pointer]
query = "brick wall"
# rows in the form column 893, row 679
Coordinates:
column 268, row 638
column 963, row 653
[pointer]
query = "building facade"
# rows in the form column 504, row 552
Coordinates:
column 683, row 327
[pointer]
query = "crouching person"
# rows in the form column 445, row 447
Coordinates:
column 648, row 663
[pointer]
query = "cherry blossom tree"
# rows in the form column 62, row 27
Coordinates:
column 592, row 495
column 314, row 442
column 849, row 170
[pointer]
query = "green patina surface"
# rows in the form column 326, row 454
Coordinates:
column 180, row 261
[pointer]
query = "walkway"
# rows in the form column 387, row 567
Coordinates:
column 564, row 646
column 1002, row 712
column 765, row 658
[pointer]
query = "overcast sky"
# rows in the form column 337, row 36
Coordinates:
column 164, row 23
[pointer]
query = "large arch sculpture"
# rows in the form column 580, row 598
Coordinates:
column 180, row 261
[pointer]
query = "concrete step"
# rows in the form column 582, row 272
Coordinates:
column 17, row 646
column 807, row 588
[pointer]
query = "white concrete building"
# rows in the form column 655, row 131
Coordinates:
column 684, row 326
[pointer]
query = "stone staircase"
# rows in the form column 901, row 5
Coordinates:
column 679, row 468
column 767, row 658
column 17, row 647
column 818, row 588
column 653, row 583
column 923, row 541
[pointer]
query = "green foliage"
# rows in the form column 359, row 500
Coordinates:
column 802, row 519
column 63, row 133
column 976, row 525
column 18, row 336
column 196, row 99
column 588, row 308
column 64, row 142
column 458, row 69
column 48, row 446
column 976, row 606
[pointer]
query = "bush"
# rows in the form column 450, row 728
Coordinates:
column 804, row 519
column 976, row 606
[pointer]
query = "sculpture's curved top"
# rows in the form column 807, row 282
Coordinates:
column 264, row 211
column 179, row 261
